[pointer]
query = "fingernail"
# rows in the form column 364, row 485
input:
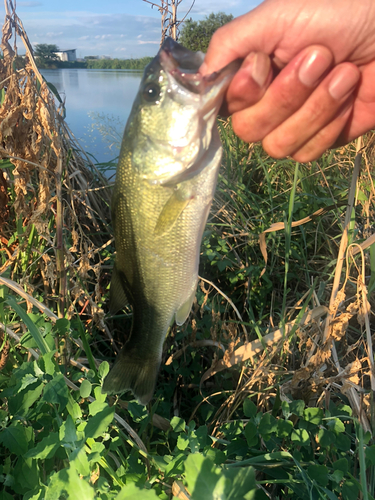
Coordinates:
column 313, row 67
column 343, row 82
column 260, row 68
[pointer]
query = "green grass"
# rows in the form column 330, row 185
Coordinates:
column 278, row 426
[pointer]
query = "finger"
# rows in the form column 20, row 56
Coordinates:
column 286, row 94
column 363, row 117
column 249, row 83
column 327, row 136
column 319, row 110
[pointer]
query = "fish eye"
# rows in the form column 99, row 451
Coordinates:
column 151, row 92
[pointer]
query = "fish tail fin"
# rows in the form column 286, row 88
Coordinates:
column 131, row 373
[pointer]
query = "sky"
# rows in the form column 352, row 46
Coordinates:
column 116, row 28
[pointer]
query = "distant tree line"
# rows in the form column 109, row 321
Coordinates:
column 118, row 63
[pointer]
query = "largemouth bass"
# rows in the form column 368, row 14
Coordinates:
column 165, row 181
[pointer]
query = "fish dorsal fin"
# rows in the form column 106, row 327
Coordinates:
column 184, row 311
column 117, row 297
column 171, row 211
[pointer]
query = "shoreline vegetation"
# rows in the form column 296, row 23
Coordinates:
column 266, row 392
column 136, row 64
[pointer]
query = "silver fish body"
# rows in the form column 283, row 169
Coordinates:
column 165, row 181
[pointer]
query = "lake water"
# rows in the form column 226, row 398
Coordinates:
column 96, row 100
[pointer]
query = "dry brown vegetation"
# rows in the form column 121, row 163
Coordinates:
column 55, row 232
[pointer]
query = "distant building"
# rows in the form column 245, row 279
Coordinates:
column 67, row 55
column 105, row 57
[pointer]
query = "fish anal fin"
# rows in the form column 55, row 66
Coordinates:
column 171, row 211
column 183, row 312
column 117, row 297
column 134, row 374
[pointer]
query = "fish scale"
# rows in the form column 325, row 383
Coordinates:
column 165, row 182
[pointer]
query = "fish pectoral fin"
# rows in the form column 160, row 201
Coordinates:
column 183, row 312
column 117, row 296
column 171, row 211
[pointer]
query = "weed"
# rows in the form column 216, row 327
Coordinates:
column 266, row 392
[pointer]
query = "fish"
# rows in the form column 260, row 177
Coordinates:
column 165, row 182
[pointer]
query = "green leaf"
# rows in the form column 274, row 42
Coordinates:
column 349, row 490
column 335, row 425
column 285, row 409
column 103, row 369
column 3, row 494
column 300, row 437
column 328, row 494
column 284, row 428
column 201, row 476
column 267, row 426
column 178, row 424
column 54, row 91
column 97, row 451
column 132, row 492
column 370, row 454
column 313, row 415
column 343, row 442
column 337, row 476
column 297, row 407
column 56, row 391
column 216, row 456
column 223, row 264
column 249, row 408
column 97, row 425
column 97, row 406
column 67, row 431
column 27, row 380
column 342, row 465
column 182, row 442
column 46, row 448
column 48, row 364
column 241, row 482
column 67, row 484
column 15, row 439
column 99, row 395
column 251, row 434
column 319, row 473
column 326, row 438
column 21, row 402
column 34, row 331
column 85, row 389
column 73, row 408
column 137, row 411
column 62, row 326
column 78, row 460
column 26, row 474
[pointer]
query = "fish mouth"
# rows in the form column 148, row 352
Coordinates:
column 183, row 65
column 185, row 85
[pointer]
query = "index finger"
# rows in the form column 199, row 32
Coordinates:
column 236, row 40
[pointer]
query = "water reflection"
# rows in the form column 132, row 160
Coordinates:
column 97, row 92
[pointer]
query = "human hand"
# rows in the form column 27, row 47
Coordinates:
column 323, row 93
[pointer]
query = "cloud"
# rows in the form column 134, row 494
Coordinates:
column 88, row 31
